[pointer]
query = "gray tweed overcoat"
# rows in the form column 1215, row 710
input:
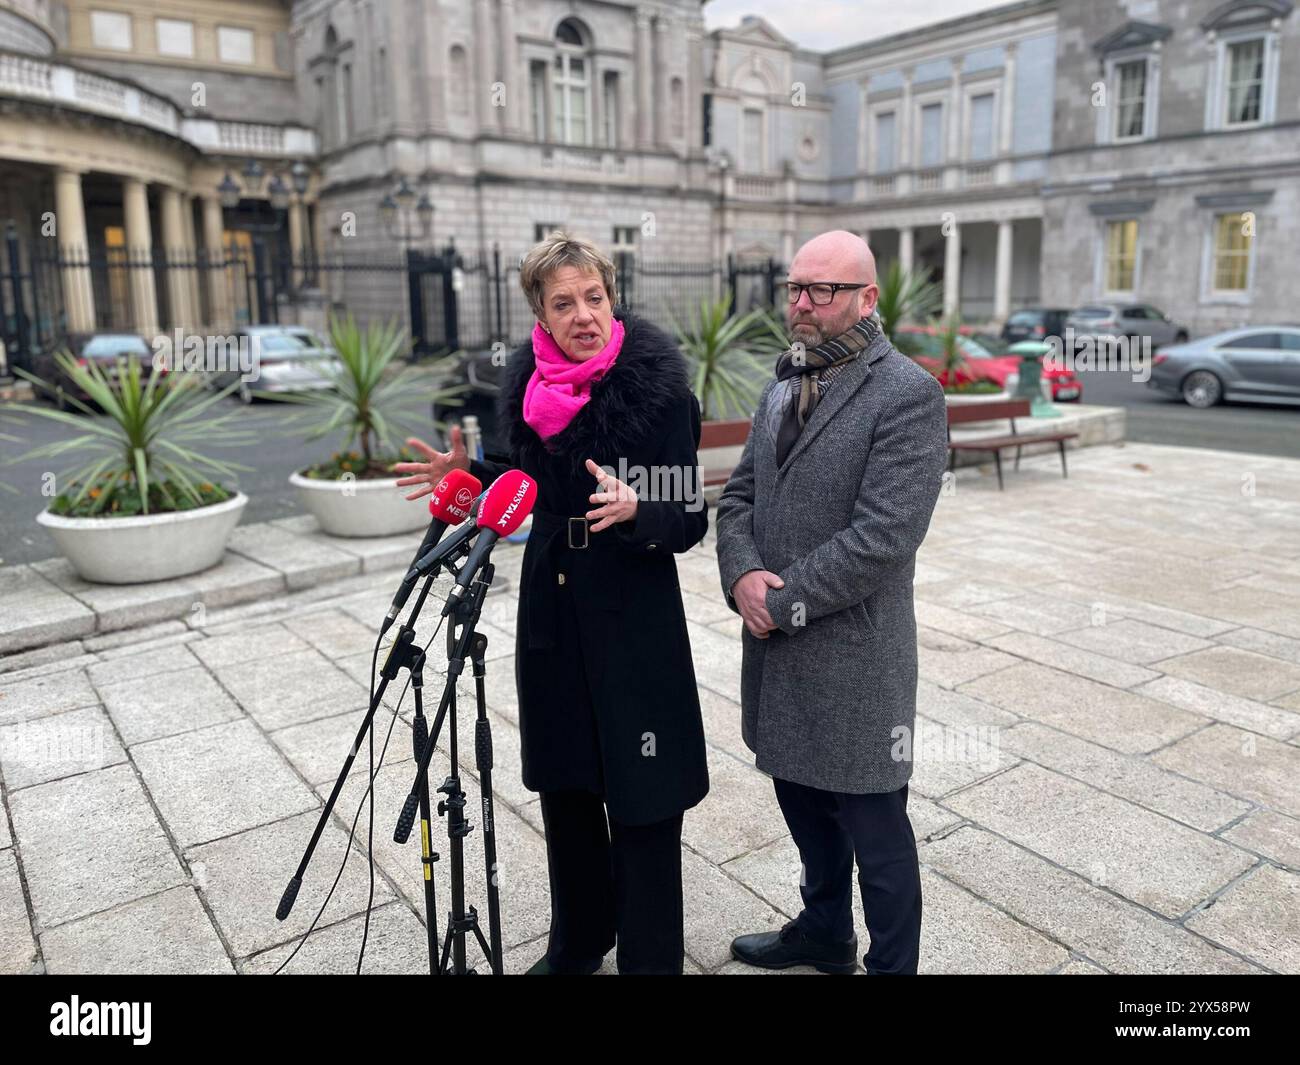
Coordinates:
column 829, row 699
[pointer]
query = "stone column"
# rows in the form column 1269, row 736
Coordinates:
column 484, row 67
column 905, row 123
column 192, row 272
column 1006, row 121
column 219, row 310
column 74, row 250
column 644, row 75
column 297, row 239
column 176, row 255
column 694, row 105
column 516, row 110
column 1002, row 274
column 905, row 247
column 139, row 250
column 952, row 271
column 661, row 106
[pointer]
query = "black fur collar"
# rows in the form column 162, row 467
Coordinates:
column 627, row 407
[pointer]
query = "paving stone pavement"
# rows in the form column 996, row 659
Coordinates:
column 1107, row 778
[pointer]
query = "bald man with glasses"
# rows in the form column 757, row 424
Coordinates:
column 818, row 529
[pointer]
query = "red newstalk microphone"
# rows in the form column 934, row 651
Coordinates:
column 505, row 505
column 450, row 504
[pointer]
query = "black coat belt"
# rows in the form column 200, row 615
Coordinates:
column 559, row 534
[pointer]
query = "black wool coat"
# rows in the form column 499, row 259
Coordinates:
column 607, row 695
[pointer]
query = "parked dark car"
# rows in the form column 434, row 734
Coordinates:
column 481, row 371
column 104, row 350
column 1260, row 364
column 1034, row 323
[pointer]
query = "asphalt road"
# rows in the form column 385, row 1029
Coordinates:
column 273, row 458
column 1155, row 419
column 1267, row 430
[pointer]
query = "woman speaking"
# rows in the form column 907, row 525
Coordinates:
column 609, row 716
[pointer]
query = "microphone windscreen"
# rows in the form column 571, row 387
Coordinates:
column 454, row 496
column 507, row 503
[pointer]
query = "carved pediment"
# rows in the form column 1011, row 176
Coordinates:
column 1239, row 13
column 1133, row 34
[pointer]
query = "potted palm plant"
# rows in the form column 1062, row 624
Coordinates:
column 375, row 402
column 729, row 357
column 144, row 504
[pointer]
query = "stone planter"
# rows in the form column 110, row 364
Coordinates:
column 146, row 547
column 361, row 508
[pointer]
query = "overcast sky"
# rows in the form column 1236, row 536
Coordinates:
column 825, row 24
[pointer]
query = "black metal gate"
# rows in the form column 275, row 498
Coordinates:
column 433, row 280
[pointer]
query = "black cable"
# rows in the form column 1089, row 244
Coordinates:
column 374, row 658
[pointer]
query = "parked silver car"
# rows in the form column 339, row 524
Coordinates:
column 287, row 358
column 1109, row 320
column 1256, row 365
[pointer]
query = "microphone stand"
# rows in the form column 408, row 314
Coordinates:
column 467, row 642
column 405, row 653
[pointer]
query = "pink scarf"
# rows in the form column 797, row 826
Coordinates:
column 560, row 386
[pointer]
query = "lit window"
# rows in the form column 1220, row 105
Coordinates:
column 1121, row 255
column 1232, row 238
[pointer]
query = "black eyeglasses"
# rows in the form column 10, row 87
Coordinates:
column 820, row 292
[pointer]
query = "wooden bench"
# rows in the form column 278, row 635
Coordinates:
column 722, row 434
column 965, row 413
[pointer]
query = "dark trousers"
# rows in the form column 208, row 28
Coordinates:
column 611, row 881
column 830, row 828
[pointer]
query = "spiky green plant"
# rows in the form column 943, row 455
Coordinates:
column 952, row 359
column 372, row 404
column 140, row 459
column 906, row 296
column 729, row 356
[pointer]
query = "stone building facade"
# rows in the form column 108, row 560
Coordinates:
column 1042, row 151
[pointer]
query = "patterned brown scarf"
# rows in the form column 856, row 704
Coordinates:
column 812, row 365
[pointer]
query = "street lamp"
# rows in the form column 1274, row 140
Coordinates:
column 396, row 209
column 229, row 192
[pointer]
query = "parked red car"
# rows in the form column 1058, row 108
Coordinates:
column 925, row 344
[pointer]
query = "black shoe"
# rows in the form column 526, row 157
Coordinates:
column 542, row 967
column 788, row 947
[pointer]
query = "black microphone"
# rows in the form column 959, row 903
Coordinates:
column 506, row 504
column 451, row 503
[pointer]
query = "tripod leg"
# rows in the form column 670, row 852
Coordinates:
column 419, row 738
column 483, row 760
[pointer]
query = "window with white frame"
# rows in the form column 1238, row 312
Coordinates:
column 609, row 108
column 110, row 29
column 1233, row 236
column 981, row 126
column 625, row 239
column 931, row 134
column 1120, row 264
column 751, row 149
column 537, row 98
column 175, row 37
column 542, row 230
column 571, row 85
column 886, row 137
column 1244, row 82
column 1130, row 99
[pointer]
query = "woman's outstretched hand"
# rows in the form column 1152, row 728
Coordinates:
column 618, row 500
column 428, row 474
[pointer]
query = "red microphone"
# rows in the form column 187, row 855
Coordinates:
column 450, row 504
column 505, row 505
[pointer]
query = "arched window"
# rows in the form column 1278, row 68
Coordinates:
column 336, row 104
column 458, row 80
column 571, row 83
column 676, row 109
